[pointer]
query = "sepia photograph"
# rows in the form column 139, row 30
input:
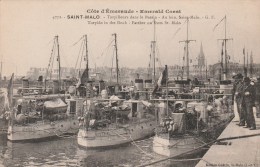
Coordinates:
column 110, row 83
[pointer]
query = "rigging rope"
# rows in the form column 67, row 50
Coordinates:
column 93, row 61
column 53, row 56
column 106, row 50
column 178, row 29
column 158, row 55
column 133, row 142
column 77, row 41
column 149, row 63
column 50, row 60
column 78, row 56
column 83, row 49
column 191, row 57
column 175, row 156
column 64, row 58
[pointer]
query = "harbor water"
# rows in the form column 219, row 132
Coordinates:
column 66, row 152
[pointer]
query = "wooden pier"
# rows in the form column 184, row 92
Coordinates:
column 238, row 147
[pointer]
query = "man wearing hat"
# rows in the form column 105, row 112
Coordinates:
column 248, row 100
column 257, row 97
column 237, row 95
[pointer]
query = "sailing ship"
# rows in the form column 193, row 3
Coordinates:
column 186, row 125
column 42, row 115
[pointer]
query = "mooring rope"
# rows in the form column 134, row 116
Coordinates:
column 200, row 147
column 133, row 142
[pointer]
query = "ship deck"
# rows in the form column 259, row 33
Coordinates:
column 238, row 146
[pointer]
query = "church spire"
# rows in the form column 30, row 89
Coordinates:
column 201, row 57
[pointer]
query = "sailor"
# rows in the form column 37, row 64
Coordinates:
column 195, row 82
column 19, row 109
column 248, row 100
column 257, row 97
column 162, row 110
column 237, row 96
column 234, row 87
column 95, row 90
column 87, row 120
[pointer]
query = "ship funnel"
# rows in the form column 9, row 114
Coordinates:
column 139, row 84
column 55, row 88
column 148, row 83
column 25, row 85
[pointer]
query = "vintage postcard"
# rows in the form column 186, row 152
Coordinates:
column 130, row 83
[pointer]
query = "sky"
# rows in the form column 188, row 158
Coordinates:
column 27, row 30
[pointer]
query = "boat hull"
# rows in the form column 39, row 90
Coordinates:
column 42, row 130
column 188, row 143
column 115, row 137
column 3, row 125
column 175, row 146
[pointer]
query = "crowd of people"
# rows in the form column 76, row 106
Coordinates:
column 246, row 94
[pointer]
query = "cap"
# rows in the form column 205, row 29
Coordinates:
column 234, row 75
column 247, row 79
column 238, row 76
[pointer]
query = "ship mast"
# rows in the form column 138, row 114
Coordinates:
column 225, row 39
column 87, row 69
column 247, row 61
column 153, row 43
column 251, row 64
column 117, row 69
column 152, row 58
column 245, row 69
column 58, row 58
column 187, row 41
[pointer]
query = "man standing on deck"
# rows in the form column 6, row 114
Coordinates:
column 257, row 97
column 248, row 101
column 237, row 95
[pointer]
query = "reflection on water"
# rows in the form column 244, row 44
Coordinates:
column 65, row 152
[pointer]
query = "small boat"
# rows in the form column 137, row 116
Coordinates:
column 191, row 123
column 39, row 116
column 33, row 121
column 114, row 121
column 121, row 125
column 4, row 106
column 184, row 130
column 55, row 105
